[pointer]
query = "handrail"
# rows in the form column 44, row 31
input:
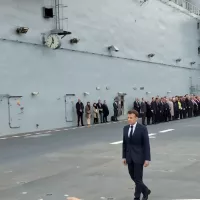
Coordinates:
column 188, row 6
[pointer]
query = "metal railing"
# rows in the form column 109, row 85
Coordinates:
column 188, row 6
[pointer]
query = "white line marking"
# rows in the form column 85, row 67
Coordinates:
column 167, row 130
column 16, row 136
column 3, row 138
column 37, row 136
column 66, row 129
column 48, row 131
column 119, row 142
column 27, row 135
column 57, row 130
column 24, row 192
column 38, row 133
column 152, row 134
column 152, row 137
column 74, row 128
column 6, row 172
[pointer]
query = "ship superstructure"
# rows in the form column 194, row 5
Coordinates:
column 54, row 52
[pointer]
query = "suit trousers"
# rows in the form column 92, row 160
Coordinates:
column 80, row 118
column 136, row 174
column 143, row 115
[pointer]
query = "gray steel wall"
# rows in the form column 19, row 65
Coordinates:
column 136, row 30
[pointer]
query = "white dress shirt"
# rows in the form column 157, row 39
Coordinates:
column 129, row 131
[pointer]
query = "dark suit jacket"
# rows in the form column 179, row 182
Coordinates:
column 143, row 108
column 137, row 149
column 136, row 106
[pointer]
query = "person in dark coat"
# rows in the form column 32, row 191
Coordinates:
column 149, row 112
column 143, row 110
column 105, row 112
column 136, row 105
column 136, row 153
column 79, row 111
column 115, row 109
column 153, row 109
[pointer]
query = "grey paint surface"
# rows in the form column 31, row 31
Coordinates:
column 84, row 164
column 136, row 30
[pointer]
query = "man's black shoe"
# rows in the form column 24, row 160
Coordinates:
column 145, row 197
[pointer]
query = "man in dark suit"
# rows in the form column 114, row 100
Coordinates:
column 79, row 111
column 136, row 153
column 143, row 110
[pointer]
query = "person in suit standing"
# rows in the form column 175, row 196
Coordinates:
column 79, row 111
column 136, row 153
column 105, row 112
column 143, row 110
column 100, row 108
column 115, row 108
column 136, row 105
column 153, row 109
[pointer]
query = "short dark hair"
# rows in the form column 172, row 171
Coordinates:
column 135, row 112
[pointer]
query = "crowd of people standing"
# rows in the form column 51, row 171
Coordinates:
column 159, row 109
column 163, row 109
column 98, row 111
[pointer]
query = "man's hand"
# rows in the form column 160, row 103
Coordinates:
column 124, row 161
column 146, row 163
column 72, row 198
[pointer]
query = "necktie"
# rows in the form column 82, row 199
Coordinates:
column 131, row 132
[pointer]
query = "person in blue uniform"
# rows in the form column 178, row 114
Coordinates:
column 136, row 153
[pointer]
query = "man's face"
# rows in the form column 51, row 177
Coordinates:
column 132, row 119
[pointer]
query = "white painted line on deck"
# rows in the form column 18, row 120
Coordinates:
column 66, row 129
column 167, row 130
column 38, row 133
column 48, row 131
column 152, row 137
column 119, row 142
column 16, row 136
column 37, row 136
column 152, row 134
column 24, row 192
column 27, row 135
column 3, row 138
column 57, row 130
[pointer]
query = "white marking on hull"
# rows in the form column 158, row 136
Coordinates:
column 167, row 130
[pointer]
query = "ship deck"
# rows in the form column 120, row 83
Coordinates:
column 82, row 163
